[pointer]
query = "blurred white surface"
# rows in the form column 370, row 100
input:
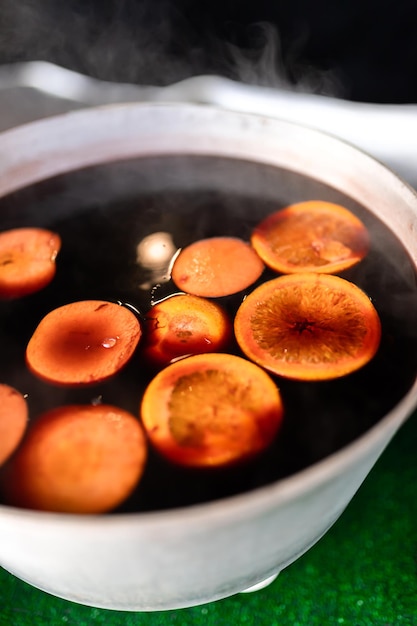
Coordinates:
column 38, row 89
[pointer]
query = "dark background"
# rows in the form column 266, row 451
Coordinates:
column 359, row 49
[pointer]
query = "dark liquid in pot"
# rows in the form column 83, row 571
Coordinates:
column 103, row 213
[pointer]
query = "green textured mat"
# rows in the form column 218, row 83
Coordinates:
column 363, row 572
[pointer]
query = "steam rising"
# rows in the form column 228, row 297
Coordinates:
column 123, row 41
column 151, row 43
column 262, row 63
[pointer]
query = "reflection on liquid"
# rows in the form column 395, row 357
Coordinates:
column 154, row 253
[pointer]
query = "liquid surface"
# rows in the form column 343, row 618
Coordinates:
column 120, row 225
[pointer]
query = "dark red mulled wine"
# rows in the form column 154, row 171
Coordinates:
column 105, row 214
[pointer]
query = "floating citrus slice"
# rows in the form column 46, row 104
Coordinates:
column 183, row 325
column 308, row 326
column 13, row 420
column 27, row 260
column 83, row 342
column 313, row 236
column 216, row 267
column 77, row 459
column 211, row 410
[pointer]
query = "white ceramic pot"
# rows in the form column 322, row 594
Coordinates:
column 183, row 557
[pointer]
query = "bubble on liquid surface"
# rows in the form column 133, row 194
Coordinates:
column 109, row 342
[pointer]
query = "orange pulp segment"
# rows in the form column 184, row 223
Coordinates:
column 211, row 410
column 308, row 326
column 313, row 236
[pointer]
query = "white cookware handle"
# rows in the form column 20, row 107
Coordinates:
column 387, row 132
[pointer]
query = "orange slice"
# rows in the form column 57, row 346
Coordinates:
column 308, row 326
column 13, row 420
column 216, row 267
column 313, row 236
column 27, row 260
column 77, row 459
column 183, row 325
column 83, row 342
column 211, row 410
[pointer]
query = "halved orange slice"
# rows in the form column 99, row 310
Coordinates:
column 308, row 326
column 216, row 267
column 83, row 343
column 211, row 410
column 77, row 459
column 13, row 420
column 183, row 325
column 27, row 260
column 314, row 236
